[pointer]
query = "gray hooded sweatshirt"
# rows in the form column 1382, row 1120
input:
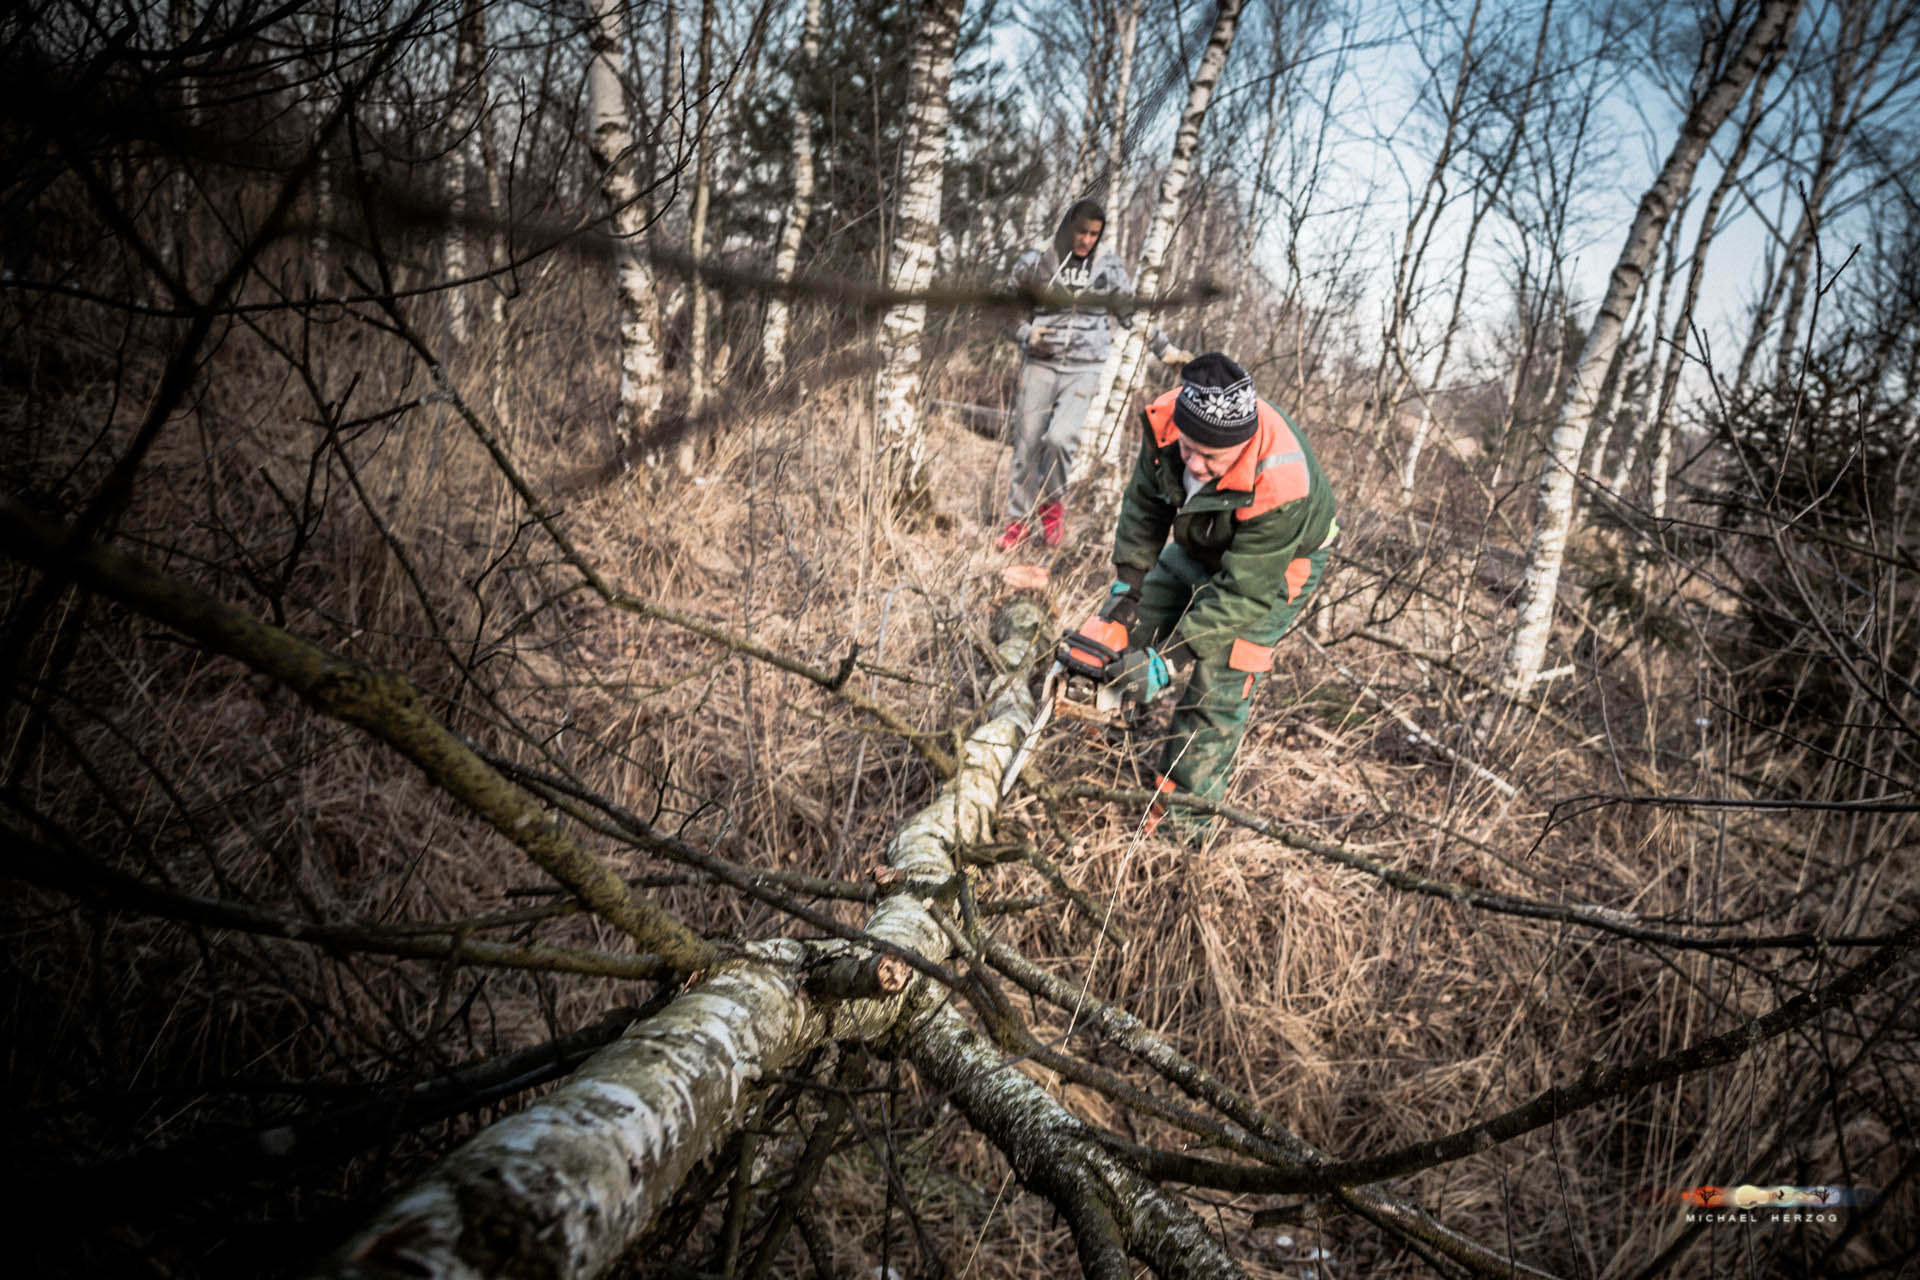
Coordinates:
column 1080, row 333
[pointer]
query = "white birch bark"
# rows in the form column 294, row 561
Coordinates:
column 773, row 333
column 1112, row 1211
column 497, row 213
column 1114, row 200
column 1643, row 404
column 1864, row 36
column 562, row 1188
column 1123, row 371
column 180, row 25
column 1486, row 195
column 1662, row 464
column 699, row 383
column 1087, row 148
column 1410, row 469
column 1711, row 104
column 1696, row 273
column 610, row 138
column 672, row 160
column 463, row 116
column 901, row 436
column 319, row 275
column 1606, row 409
column 1848, row 70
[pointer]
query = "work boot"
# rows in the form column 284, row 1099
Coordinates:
column 1013, row 535
column 1053, row 524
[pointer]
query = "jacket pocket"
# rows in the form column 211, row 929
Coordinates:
column 1248, row 656
column 1251, row 658
column 1298, row 572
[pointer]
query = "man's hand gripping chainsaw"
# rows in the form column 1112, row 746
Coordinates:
column 1078, row 684
column 1094, row 676
column 1084, row 665
column 1100, row 675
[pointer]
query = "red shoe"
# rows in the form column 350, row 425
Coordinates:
column 1053, row 524
column 1013, row 535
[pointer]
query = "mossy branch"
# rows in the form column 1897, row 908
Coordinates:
column 100, row 885
column 382, row 703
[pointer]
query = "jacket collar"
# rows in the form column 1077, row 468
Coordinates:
column 1246, row 468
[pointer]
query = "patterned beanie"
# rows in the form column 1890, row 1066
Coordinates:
column 1216, row 404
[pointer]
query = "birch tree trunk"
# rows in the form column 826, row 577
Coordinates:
column 1696, row 271
column 1865, row 35
column 1112, row 1211
column 497, row 214
column 319, row 275
column 463, row 116
column 1117, row 380
column 1487, row 194
column 1483, row 204
column 699, row 385
column 1849, row 74
column 773, row 333
column 671, row 161
column 1081, row 177
column 1711, row 103
column 1129, row 40
column 180, row 25
column 563, row 1188
column 610, row 138
column 901, row 436
column 1643, row 403
column 1606, row 407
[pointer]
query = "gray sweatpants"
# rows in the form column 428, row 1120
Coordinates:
column 1046, row 432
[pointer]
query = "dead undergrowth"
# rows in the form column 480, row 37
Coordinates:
column 148, row 1057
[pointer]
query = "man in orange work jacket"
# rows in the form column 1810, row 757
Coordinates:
column 1251, row 516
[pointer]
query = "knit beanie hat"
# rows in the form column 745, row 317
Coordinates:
column 1216, row 404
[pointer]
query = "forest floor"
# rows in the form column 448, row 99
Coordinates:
column 1360, row 1015
column 1362, row 1018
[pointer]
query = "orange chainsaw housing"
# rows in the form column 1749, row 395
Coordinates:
column 1093, row 648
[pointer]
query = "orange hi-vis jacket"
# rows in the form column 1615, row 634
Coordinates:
column 1251, row 530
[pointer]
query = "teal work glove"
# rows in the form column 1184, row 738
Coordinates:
column 1121, row 606
column 1142, row 675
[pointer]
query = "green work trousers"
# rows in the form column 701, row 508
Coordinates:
column 1211, row 717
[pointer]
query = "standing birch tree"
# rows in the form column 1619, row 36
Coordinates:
column 1678, row 342
column 1129, row 42
column 900, row 434
column 773, row 333
column 610, row 138
column 1123, row 371
column 1427, row 208
column 699, row 376
column 465, row 98
column 1857, row 75
column 1730, row 56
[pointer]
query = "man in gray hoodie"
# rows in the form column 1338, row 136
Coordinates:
column 1065, row 344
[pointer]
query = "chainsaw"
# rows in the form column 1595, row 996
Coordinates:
column 1079, row 686
column 1086, row 661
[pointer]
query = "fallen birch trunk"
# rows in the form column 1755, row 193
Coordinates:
column 564, row 1187
column 1112, row 1211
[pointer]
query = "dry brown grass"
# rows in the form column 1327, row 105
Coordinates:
column 1359, row 1016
